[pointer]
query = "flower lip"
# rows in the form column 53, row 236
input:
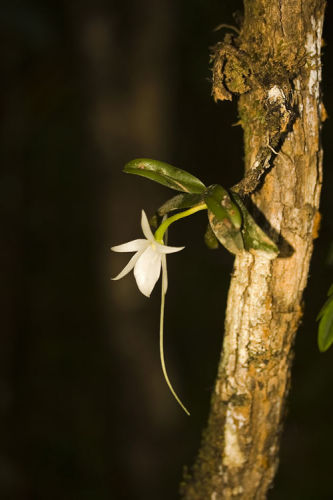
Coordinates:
column 147, row 270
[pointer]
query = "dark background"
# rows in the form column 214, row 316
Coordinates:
column 85, row 413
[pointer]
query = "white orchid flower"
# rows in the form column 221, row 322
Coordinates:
column 147, row 262
column 150, row 256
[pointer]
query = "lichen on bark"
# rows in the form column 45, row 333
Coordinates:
column 274, row 68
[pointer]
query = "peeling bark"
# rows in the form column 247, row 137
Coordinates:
column 274, row 65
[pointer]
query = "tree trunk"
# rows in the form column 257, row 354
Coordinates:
column 274, row 64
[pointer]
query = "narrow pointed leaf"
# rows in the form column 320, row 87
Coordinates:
column 253, row 236
column 163, row 173
column 184, row 200
column 324, row 308
column 327, row 303
column 325, row 329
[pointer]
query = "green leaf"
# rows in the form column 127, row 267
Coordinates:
column 153, row 222
column 325, row 329
column 324, row 308
column 184, row 200
column 253, row 236
column 165, row 174
column 327, row 303
column 223, row 207
column 224, row 218
column 210, row 239
column 229, row 236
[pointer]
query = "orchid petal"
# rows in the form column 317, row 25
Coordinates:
column 128, row 268
column 165, row 249
column 146, row 227
column 131, row 246
column 164, row 274
column 147, row 270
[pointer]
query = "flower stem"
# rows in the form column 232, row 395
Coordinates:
column 164, row 277
column 159, row 233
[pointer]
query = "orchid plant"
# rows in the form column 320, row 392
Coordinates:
column 230, row 223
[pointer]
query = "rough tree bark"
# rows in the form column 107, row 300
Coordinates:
column 274, row 65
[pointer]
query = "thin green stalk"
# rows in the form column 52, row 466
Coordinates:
column 159, row 233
